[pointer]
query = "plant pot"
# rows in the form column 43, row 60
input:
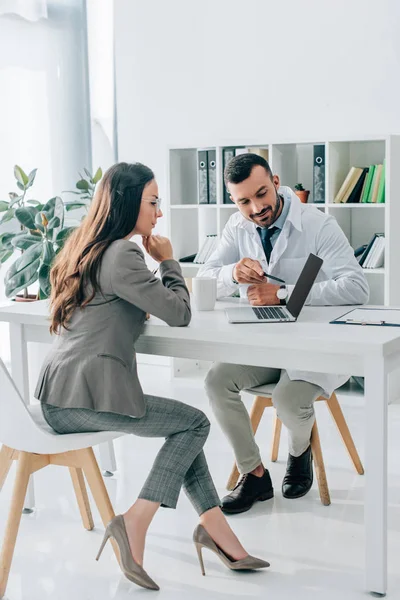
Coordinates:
column 303, row 195
column 30, row 298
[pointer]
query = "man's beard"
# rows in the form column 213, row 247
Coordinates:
column 275, row 212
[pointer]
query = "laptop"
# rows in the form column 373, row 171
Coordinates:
column 278, row 314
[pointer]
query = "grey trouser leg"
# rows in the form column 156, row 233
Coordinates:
column 181, row 460
column 224, row 383
column 293, row 401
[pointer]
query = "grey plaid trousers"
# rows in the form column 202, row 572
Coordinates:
column 180, row 461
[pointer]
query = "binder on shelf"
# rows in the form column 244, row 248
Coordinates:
column 381, row 191
column 212, row 176
column 375, row 184
column 206, row 249
column 227, row 155
column 355, row 195
column 202, row 176
column 373, row 255
column 368, row 181
column 347, row 185
column 319, row 174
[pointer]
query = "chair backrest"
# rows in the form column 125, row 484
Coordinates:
column 16, row 423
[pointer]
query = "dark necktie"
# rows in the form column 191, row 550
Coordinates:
column 265, row 235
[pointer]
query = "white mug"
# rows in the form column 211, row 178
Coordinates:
column 204, row 292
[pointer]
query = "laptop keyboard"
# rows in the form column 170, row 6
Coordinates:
column 270, row 312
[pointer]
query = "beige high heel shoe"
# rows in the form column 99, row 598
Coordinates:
column 130, row 568
column 203, row 540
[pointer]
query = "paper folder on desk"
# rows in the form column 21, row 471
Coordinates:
column 381, row 317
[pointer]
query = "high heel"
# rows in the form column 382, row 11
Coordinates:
column 202, row 540
column 131, row 569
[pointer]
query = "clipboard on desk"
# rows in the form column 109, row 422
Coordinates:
column 378, row 317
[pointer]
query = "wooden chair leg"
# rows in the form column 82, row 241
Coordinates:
column 97, row 486
column 319, row 466
column 276, row 438
column 78, row 481
column 14, row 517
column 6, row 458
column 256, row 413
column 338, row 417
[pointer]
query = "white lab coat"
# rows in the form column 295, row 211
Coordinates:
column 306, row 229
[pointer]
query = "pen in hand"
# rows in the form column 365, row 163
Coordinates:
column 274, row 278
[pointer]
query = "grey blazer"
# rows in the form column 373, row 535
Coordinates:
column 93, row 363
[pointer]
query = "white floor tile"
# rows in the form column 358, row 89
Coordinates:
column 315, row 551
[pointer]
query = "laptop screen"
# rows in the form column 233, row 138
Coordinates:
column 304, row 284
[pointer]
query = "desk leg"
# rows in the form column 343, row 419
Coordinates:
column 376, row 500
column 107, row 458
column 20, row 375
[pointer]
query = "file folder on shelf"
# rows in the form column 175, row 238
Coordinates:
column 202, row 176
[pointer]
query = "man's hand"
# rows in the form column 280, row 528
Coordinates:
column 248, row 270
column 263, row 294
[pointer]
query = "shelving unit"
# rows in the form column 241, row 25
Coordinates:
column 189, row 222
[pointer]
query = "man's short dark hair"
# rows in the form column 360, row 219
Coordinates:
column 239, row 167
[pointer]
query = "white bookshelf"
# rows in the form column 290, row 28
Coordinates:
column 189, row 222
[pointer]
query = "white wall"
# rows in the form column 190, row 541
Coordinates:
column 222, row 71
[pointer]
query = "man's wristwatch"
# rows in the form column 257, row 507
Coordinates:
column 282, row 294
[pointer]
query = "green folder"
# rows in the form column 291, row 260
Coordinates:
column 381, row 190
column 367, row 188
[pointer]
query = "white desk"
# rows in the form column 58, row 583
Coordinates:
column 310, row 344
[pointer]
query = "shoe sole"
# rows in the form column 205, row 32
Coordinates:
column 236, row 511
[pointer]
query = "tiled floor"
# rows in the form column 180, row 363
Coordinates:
column 315, row 551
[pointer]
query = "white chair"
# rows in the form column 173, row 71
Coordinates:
column 27, row 439
column 263, row 400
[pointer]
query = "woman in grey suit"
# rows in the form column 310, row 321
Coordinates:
column 101, row 292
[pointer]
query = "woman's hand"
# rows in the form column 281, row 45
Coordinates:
column 158, row 247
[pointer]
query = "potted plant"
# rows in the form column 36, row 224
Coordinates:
column 301, row 192
column 42, row 234
column 85, row 189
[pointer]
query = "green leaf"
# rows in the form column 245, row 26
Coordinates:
column 13, row 195
column 36, row 203
column 20, row 176
column 5, row 255
column 48, row 253
column 15, row 200
column 82, row 184
column 23, row 241
column 58, row 212
column 18, row 280
column 63, row 235
column 3, row 205
column 74, row 205
column 26, row 216
column 88, row 173
column 7, row 216
column 44, row 280
column 20, row 186
column 28, row 257
column 31, row 177
column 6, row 240
column 42, row 295
column 54, row 222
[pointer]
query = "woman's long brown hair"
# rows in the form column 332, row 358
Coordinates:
column 112, row 216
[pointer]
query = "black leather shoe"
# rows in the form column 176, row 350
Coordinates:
column 248, row 490
column 299, row 475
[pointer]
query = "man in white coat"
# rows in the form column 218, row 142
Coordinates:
column 272, row 232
